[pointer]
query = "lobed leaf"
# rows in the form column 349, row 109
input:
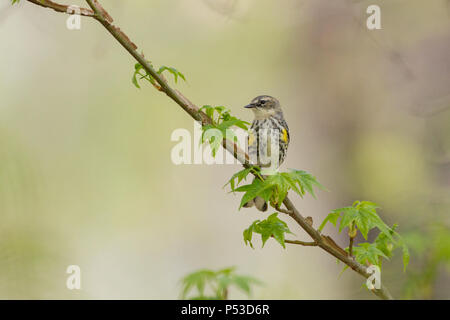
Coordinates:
column 368, row 253
column 270, row 227
column 332, row 217
column 204, row 282
column 173, row 71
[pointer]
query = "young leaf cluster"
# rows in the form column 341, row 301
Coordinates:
column 276, row 186
column 239, row 176
column 220, row 128
column 176, row 74
column 362, row 216
column 214, row 285
column 270, row 227
column 141, row 74
column 368, row 253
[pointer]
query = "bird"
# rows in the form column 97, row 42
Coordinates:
column 269, row 131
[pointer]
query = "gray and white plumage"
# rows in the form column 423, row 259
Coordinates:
column 268, row 138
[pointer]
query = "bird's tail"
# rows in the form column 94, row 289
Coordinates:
column 258, row 202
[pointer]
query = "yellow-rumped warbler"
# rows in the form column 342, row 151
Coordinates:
column 268, row 139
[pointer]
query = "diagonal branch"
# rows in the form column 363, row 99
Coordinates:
column 325, row 242
column 62, row 7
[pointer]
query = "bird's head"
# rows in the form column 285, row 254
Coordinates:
column 264, row 107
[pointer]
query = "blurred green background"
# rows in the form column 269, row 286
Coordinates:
column 86, row 176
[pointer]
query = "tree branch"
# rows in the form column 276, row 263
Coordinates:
column 301, row 243
column 328, row 244
column 325, row 242
column 61, row 7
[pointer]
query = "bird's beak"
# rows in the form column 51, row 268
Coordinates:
column 249, row 106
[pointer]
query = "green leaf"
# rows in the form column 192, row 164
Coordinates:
column 221, row 121
column 388, row 244
column 208, row 110
column 275, row 187
column 332, row 217
column 173, row 71
column 349, row 215
column 368, row 214
column 279, row 186
column 363, row 214
column 197, row 280
column 135, row 81
column 256, row 188
column 270, row 227
column 240, row 176
column 305, row 181
column 385, row 244
column 248, row 233
column 139, row 76
column 137, row 68
column 214, row 136
column 222, row 110
column 213, row 285
column 368, row 253
column 244, row 283
column 227, row 120
column 140, row 73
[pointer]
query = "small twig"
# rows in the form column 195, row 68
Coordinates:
column 351, row 234
column 302, row 243
column 288, row 212
column 350, row 246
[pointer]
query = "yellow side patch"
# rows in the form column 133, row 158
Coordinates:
column 251, row 138
column 285, row 136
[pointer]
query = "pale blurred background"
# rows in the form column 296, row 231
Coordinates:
column 86, row 176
